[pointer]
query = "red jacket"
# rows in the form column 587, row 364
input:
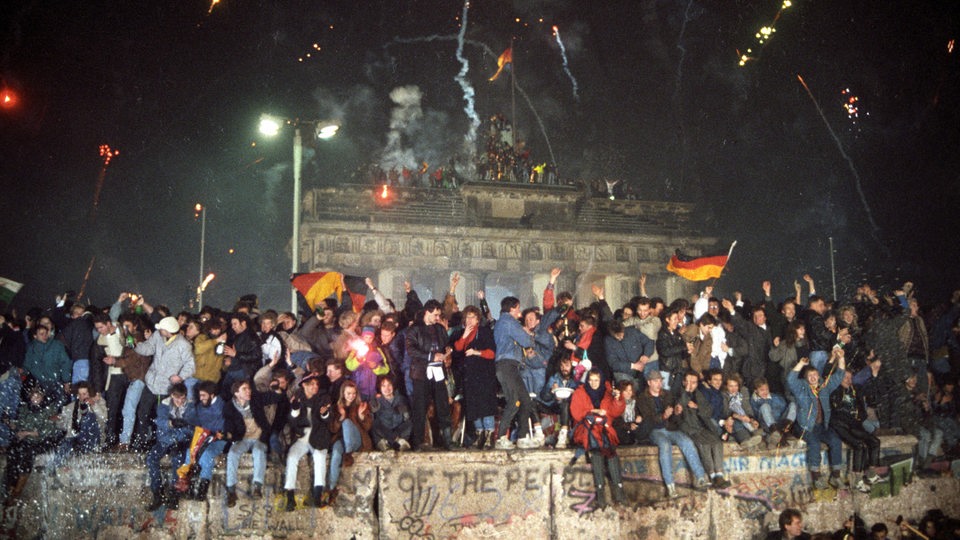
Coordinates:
column 580, row 407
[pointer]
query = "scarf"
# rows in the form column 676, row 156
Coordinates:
column 596, row 396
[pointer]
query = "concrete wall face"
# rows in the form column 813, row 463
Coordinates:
column 532, row 494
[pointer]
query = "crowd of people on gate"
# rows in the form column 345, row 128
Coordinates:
column 708, row 374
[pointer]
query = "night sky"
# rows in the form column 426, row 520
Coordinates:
column 661, row 103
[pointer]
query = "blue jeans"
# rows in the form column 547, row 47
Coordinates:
column 665, row 440
column 300, row 358
column 349, row 442
column 823, row 434
column 81, row 370
column 208, row 458
column 533, row 379
column 818, row 359
column 259, row 460
column 485, row 423
column 130, row 401
column 154, row 456
column 86, row 440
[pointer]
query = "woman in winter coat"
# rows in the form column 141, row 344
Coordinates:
column 474, row 350
column 593, row 408
column 350, row 425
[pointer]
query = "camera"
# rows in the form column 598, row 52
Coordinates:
column 219, row 348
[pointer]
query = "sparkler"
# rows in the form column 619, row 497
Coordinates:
column 461, row 78
column 764, row 34
column 566, row 64
column 856, row 175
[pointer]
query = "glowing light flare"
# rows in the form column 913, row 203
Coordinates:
column 206, row 281
column 8, row 99
column 212, row 3
column 231, row 251
column 360, row 347
column 950, row 47
column 384, row 193
column 197, row 209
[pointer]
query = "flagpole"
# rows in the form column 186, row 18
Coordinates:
column 833, row 270
column 729, row 253
column 513, row 95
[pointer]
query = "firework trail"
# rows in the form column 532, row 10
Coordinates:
column 107, row 154
column 566, row 65
column 678, row 99
column 461, row 78
column 486, row 48
column 856, row 175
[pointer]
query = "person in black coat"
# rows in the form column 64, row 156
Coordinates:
column 247, row 429
column 309, row 418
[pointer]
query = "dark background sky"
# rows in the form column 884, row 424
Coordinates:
column 662, row 105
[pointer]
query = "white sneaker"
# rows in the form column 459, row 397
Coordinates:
column 539, row 438
column 562, row 438
column 527, row 443
column 383, row 445
column 403, row 444
column 503, row 443
column 672, row 491
column 862, row 486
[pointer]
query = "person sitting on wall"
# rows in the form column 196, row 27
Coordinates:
column 309, row 416
column 775, row 414
column 83, row 421
column 173, row 439
column 36, row 432
column 555, row 396
column 813, row 418
column 658, row 408
column 351, row 433
column 391, row 418
column 695, row 417
column 593, row 407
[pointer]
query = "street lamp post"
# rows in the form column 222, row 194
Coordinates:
column 270, row 126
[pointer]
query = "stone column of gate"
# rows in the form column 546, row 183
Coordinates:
column 390, row 282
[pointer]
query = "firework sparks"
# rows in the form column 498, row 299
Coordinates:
column 764, row 34
column 314, row 47
column 107, row 154
column 856, row 175
column 950, row 47
column 566, row 64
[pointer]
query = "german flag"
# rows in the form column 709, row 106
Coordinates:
column 316, row 287
column 506, row 57
column 700, row 268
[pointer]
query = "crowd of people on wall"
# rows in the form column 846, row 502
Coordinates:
column 708, row 374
